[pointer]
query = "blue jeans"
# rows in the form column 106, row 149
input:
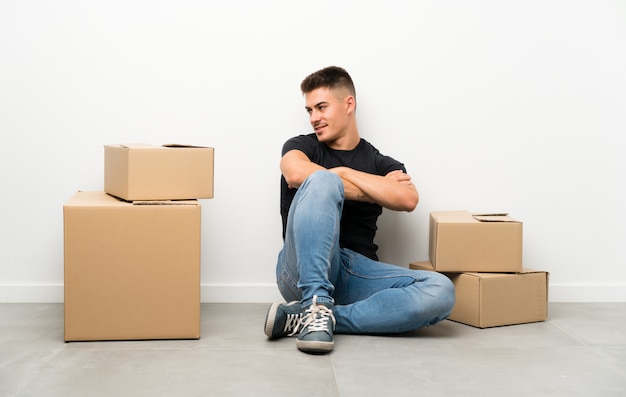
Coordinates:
column 370, row 297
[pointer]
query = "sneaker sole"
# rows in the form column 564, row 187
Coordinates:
column 269, row 320
column 315, row 346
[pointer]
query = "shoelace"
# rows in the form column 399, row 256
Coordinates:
column 293, row 323
column 316, row 317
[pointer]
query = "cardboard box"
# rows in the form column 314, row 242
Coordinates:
column 132, row 271
column 150, row 172
column 465, row 242
column 493, row 299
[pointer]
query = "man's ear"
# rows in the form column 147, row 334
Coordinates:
column 350, row 102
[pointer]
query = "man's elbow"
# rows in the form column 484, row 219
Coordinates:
column 294, row 178
column 292, row 181
column 410, row 202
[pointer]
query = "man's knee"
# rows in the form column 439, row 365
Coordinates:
column 440, row 290
column 323, row 181
column 324, row 177
column 446, row 294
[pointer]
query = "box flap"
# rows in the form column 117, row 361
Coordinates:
column 489, row 213
column 94, row 198
column 495, row 217
column 485, row 275
column 526, row 270
column 134, row 146
column 178, row 145
column 165, row 202
column 452, row 217
column 151, row 146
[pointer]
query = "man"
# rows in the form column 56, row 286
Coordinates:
column 333, row 188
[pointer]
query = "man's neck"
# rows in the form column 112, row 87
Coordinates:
column 347, row 142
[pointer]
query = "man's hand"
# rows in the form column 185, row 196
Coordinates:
column 399, row 176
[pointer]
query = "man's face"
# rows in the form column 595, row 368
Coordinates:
column 328, row 113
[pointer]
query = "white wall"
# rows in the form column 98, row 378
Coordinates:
column 492, row 105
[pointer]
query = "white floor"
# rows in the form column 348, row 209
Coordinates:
column 579, row 351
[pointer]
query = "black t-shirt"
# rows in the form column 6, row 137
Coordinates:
column 358, row 220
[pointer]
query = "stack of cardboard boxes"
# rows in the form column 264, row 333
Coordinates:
column 482, row 255
column 132, row 251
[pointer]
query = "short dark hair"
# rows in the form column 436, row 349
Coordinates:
column 330, row 77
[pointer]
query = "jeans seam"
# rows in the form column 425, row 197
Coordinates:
column 355, row 274
column 290, row 284
column 348, row 269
